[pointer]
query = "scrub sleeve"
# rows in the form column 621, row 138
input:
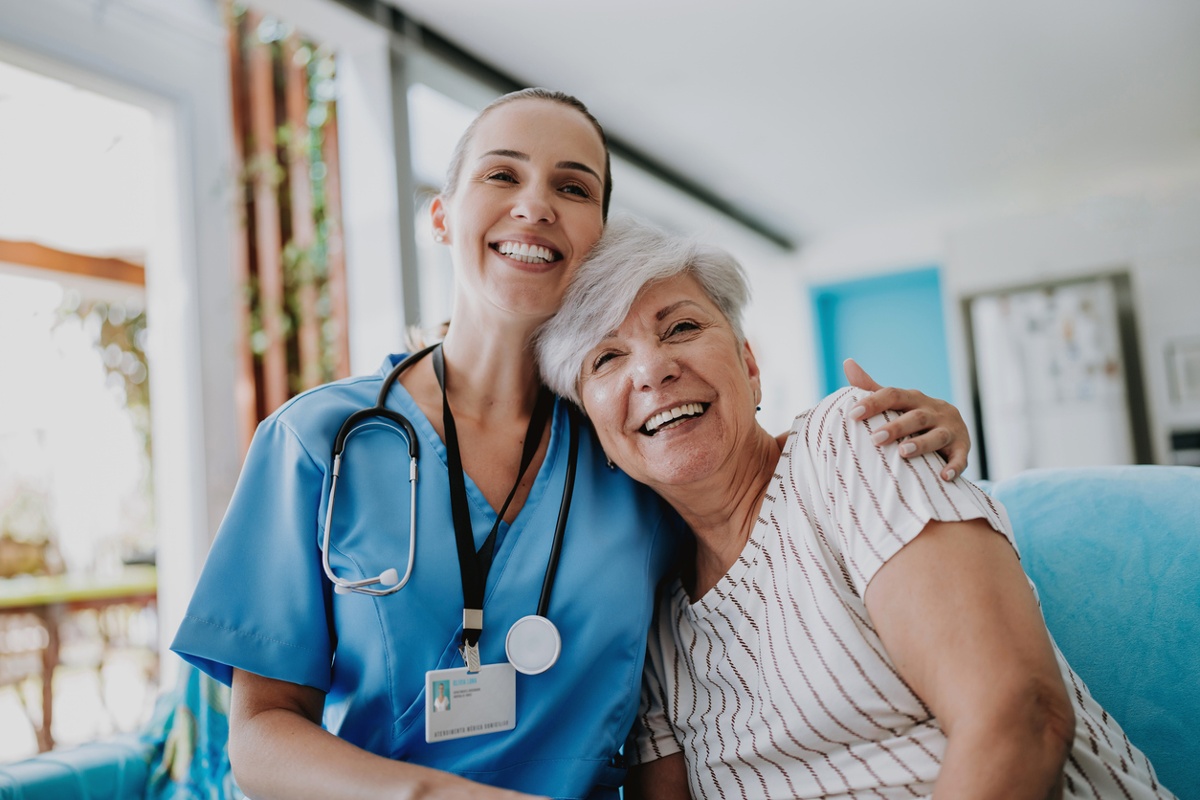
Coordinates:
column 261, row 602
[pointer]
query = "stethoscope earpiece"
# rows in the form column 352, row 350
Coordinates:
column 389, row 579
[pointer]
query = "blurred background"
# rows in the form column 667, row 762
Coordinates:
column 206, row 207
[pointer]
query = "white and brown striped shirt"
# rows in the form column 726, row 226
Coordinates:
column 775, row 683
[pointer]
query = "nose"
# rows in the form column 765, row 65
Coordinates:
column 533, row 203
column 653, row 367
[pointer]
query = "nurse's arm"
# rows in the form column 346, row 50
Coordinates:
column 960, row 622
column 278, row 749
column 664, row 779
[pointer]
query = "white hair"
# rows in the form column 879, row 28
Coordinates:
column 629, row 256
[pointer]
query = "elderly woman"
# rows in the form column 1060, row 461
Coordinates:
column 847, row 624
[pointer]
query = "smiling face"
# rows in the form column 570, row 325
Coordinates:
column 672, row 392
column 526, row 209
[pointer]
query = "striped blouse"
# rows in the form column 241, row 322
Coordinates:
column 775, row 684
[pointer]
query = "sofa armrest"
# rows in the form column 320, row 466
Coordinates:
column 117, row 769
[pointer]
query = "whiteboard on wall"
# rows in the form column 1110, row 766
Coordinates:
column 1056, row 376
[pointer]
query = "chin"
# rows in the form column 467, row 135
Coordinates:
column 675, row 469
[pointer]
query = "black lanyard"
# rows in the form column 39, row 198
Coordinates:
column 474, row 566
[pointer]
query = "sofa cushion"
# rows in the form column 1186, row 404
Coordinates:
column 112, row 770
column 1115, row 555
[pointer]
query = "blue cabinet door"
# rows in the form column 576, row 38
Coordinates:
column 893, row 325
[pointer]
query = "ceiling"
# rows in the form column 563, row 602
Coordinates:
column 822, row 117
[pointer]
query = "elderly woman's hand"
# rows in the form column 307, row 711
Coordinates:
column 932, row 424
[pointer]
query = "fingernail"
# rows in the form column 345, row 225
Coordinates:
column 950, row 474
column 907, row 449
column 857, row 412
column 879, row 437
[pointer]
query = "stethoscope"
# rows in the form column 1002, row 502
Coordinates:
column 533, row 643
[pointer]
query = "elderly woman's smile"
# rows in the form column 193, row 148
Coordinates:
column 665, row 420
column 671, row 390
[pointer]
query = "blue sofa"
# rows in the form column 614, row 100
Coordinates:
column 1114, row 553
column 119, row 768
column 179, row 756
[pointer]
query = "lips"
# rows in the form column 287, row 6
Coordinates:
column 671, row 417
column 527, row 253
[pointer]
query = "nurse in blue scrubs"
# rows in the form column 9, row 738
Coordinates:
column 333, row 690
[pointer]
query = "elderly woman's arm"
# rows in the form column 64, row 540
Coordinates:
column 959, row 620
column 932, row 425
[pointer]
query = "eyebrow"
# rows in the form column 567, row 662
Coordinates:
column 575, row 165
column 666, row 312
column 662, row 314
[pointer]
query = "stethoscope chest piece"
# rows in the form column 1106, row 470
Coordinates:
column 533, row 644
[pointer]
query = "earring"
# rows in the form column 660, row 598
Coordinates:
column 611, row 465
column 439, row 237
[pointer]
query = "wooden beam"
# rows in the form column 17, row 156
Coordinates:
column 268, row 232
column 31, row 254
column 304, row 232
column 335, row 247
column 246, row 385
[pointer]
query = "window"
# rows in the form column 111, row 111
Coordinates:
column 77, row 535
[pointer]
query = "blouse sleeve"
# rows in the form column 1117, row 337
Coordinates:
column 261, row 604
column 875, row 500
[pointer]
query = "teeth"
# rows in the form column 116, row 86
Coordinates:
column 528, row 253
column 663, row 417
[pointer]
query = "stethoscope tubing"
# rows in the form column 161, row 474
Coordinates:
column 341, row 585
column 406, row 431
column 564, row 508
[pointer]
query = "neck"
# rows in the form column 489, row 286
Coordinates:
column 722, row 509
column 491, row 374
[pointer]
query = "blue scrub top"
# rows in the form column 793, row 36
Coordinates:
column 264, row 605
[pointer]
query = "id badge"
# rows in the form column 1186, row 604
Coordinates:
column 459, row 703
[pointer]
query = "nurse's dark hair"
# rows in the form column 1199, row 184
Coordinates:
column 630, row 256
column 534, row 93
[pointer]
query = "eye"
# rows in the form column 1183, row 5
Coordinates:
column 503, row 176
column 682, row 327
column 576, row 189
column 602, row 359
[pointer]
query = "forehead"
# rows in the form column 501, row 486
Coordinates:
column 667, row 293
column 659, row 300
column 539, row 127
